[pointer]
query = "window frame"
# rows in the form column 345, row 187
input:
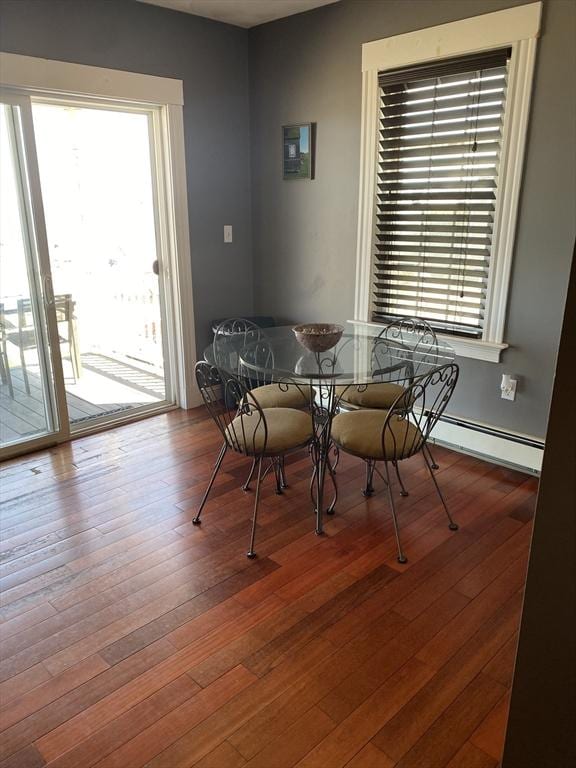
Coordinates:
column 517, row 28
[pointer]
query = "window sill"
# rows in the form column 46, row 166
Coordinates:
column 489, row 351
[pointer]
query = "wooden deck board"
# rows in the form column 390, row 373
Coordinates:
column 23, row 414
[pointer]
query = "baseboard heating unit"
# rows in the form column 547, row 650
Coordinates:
column 499, row 446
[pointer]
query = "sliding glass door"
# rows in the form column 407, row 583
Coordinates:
column 29, row 408
column 84, row 309
column 97, row 180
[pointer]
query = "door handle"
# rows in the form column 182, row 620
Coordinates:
column 48, row 291
column 155, row 267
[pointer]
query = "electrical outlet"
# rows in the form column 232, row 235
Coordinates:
column 227, row 233
column 508, row 387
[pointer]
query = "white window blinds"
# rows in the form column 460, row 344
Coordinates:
column 439, row 152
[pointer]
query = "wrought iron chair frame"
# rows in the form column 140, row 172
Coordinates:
column 396, row 334
column 422, row 414
column 239, row 429
column 427, row 344
column 5, row 375
column 252, row 341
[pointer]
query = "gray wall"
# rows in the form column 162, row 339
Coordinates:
column 212, row 60
column 308, row 68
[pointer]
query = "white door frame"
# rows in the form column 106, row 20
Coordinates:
column 55, row 80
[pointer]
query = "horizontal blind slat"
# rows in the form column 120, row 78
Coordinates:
column 435, row 184
column 423, row 270
column 449, row 293
column 464, row 136
column 436, row 149
column 383, row 278
column 409, row 248
column 440, row 115
column 445, row 90
column 413, row 307
column 419, row 174
column 458, row 99
column 441, row 324
column 469, row 306
column 446, row 266
column 433, row 218
column 391, row 243
column 451, row 199
column 446, row 130
column 455, row 159
column 446, row 70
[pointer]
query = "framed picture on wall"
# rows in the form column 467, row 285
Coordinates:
column 298, row 151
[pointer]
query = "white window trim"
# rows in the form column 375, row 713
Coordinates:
column 31, row 74
column 515, row 27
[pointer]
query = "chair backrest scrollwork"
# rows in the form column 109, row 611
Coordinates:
column 243, row 427
column 231, row 337
column 414, row 331
column 256, row 361
column 245, row 330
column 416, row 411
column 415, row 338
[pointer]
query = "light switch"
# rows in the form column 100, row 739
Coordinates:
column 227, row 233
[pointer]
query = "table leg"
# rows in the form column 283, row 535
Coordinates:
column 323, row 414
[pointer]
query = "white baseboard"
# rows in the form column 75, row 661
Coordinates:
column 509, row 448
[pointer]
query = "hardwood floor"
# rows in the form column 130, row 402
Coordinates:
column 133, row 638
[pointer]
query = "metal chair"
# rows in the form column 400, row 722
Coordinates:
column 418, row 340
column 390, row 436
column 415, row 340
column 419, row 336
column 412, row 331
column 256, row 366
column 25, row 337
column 244, row 331
column 237, row 337
column 5, row 375
column 255, row 432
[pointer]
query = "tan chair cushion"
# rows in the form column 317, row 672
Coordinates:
column 380, row 395
column 287, row 428
column 360, row 433
column 281, row 396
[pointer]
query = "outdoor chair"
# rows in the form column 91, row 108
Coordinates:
column 25, row 335
column 5, row 375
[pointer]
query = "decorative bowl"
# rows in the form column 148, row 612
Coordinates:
column 318, row 337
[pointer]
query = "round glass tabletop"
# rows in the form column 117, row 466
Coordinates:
column 274, row 355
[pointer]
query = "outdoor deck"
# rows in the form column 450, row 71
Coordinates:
column 106, row 386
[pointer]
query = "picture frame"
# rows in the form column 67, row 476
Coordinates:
column 298, row 151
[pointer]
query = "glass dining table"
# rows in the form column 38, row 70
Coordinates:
column 360, row 358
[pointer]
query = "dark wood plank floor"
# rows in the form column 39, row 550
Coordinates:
column 132, row 638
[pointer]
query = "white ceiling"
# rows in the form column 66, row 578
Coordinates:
column 242, row 13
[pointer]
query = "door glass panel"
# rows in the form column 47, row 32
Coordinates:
column 26, row 400
column 99, row 202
